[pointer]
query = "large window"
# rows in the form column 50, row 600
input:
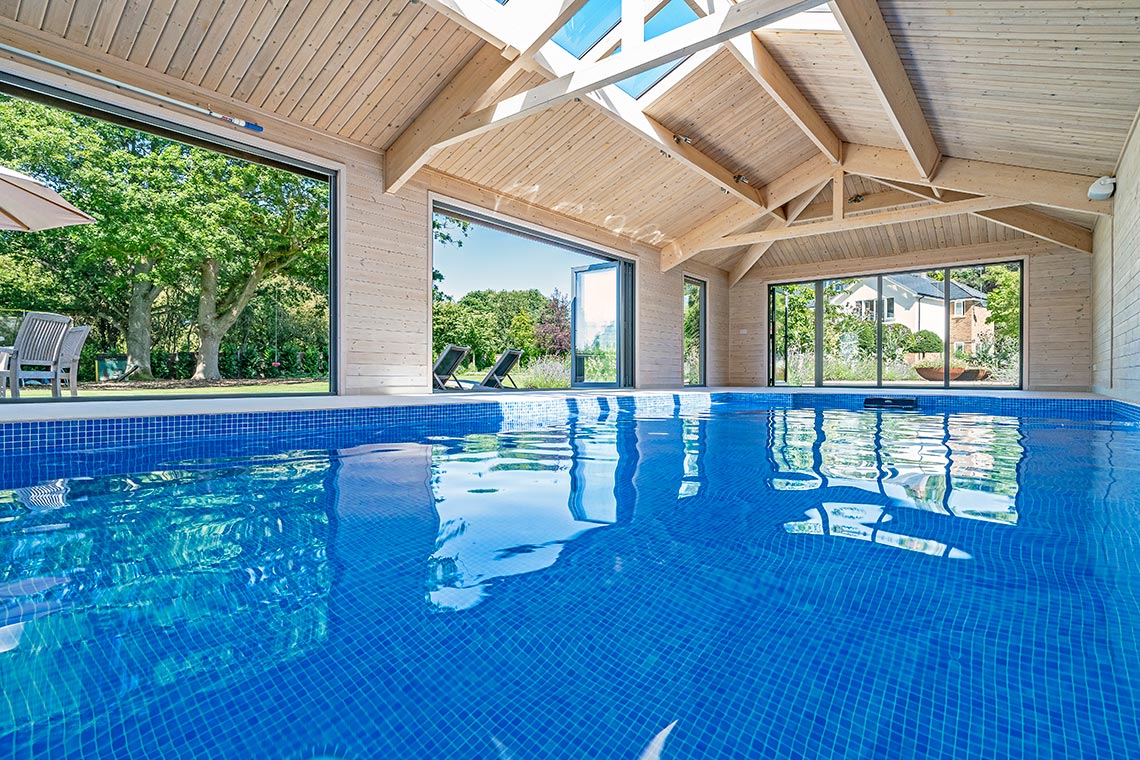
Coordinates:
column 693, row 345
column 954, row 327
column 500, row 287
column 207, row 268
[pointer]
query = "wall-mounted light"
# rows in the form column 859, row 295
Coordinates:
column 1102, row 189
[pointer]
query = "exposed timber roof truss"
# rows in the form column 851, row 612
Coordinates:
column 521, row 37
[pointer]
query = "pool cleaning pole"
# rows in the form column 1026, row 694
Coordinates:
column 131, row 88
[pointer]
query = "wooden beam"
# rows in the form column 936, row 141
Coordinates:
column 552, row 61
column 542, row 20
column 908, row 261
column 626, row 112
column 866, row 31
column 1043, row 226
column 685, row 40
column 899, row 216
column 811, row 173
column 872, row 202
column 749, row 258
column 1036, row 186
column 760, row 64
column 419, row 142
column 838, row 195
column 483, row 19
column 1023, row 219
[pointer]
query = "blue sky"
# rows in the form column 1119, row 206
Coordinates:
column 495, row 260
column 596, row 19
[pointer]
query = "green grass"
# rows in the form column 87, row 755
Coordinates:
column 124, row 390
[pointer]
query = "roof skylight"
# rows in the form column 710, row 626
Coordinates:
column 676, row 13
column 595, row 20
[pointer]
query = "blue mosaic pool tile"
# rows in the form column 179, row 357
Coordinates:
column 70, row 435
column 739, row 575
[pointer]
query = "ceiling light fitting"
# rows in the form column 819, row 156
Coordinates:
column 855, row 199
column 1102, row 189
column 740, row 179
column 682, row 139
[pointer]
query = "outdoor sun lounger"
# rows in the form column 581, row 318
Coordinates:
column 446, row 366
column 37, row 346
column 501, row 371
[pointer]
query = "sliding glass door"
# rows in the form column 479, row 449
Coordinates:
column 792, row 331
column 594, row 334
column 850, row 331
column 952, row 327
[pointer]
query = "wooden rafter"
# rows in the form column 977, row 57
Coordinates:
column 812, row 173
column 418, row 144
column 899, row 216
column 759, row 63
column 553, row 62
column 749, row 258
column 873, row 202
column 1022, row 218
column 863, row 24
column 1036, row 186
column 685, row 40
column 543, row 20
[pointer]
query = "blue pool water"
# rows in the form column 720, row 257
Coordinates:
column 728, row 582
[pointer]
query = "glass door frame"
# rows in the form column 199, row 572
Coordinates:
column 622, row 326
column 702, row 331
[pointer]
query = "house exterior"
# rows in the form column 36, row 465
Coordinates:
column 918, row 302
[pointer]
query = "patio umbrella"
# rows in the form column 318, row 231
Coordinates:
column 27, row 205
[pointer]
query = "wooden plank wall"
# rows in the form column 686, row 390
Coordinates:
column 1116, row 285
column 1058, row 316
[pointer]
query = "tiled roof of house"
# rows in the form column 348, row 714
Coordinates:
column 926, row 287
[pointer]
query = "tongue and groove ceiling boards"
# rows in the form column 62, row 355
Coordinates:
column 948, row 123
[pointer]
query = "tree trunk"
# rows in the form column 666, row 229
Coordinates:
column 209, row 334
column 209, row 345
column 216, row 318
column 139, row 335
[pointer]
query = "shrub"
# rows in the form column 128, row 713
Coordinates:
column 545, row 372
column 926, row 342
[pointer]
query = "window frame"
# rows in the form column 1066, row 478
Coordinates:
column 627, row 276
column 1022, row 264
column 90, row 101
column 702, row 337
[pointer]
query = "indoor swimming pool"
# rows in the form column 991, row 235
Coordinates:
column 689, row 576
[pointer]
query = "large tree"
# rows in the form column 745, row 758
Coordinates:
column 138, row 188
column 265, row 221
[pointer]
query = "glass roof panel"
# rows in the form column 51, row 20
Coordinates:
column 586, row 27
column 675, row 14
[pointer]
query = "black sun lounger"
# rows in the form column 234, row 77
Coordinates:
column 446, row 366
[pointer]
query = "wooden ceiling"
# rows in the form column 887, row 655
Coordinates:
column 1052, row 85
column 358, row 68
column 1047, row 85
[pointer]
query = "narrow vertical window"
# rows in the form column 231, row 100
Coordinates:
column 694, row 332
